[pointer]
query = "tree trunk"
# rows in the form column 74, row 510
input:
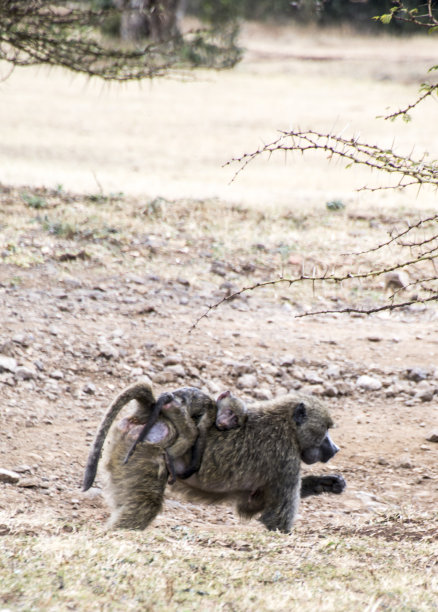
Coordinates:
column 154, row 19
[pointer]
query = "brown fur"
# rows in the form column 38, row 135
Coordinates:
column 257, row 465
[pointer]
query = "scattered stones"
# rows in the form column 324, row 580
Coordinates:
column 368, row 383
column 9, row 476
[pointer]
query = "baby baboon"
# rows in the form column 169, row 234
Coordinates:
column 231, row 411
column 256, row 465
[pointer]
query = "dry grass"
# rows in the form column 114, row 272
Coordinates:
column 44, row 567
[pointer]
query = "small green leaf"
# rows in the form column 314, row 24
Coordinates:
column 431, row 30
column 386, row 18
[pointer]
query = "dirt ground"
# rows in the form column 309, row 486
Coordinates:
column 84, row 314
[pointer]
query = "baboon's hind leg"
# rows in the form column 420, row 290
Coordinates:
column 136, row 490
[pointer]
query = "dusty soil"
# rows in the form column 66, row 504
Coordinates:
column 84, row 314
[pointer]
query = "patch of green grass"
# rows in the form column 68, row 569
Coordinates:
column 34, row 201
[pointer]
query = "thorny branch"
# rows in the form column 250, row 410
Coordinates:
column 67, row 33
column 410, row 171
column 64, row 33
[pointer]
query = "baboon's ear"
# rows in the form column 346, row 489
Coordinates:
column 300, row 414
column 223, row 395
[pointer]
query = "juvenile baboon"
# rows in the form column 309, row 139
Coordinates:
column 256, row 465
column 146, row 407
column 199, row 412
column 181, row 407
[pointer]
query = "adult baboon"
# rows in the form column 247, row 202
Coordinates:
column 257, row 465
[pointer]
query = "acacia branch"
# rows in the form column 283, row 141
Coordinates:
column 410, row 170
column 337, row 279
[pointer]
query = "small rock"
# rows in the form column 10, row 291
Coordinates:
column 24, row 373
column 333, row 371
column 217, row 267
column 344, row 388
column 312, row 378
column 330, row 391
column 56, row 374
column 163, row 378
column 262, row 394
column 368, row 383
column 177, row 370
column 382, row 461
column 247, row 381
column 29, row 483
column 396, row 280
column 89, row 388
column 108, row 351
column 374, row 339
column 425, row 395
column 416, row 374
column 172, row 360
column 7, row 364
column 287, row 361
column 21, row 469
column 23, row 339
column 433, row 437
column 269, row 369
column 9, row 476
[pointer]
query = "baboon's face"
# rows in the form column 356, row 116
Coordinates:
column 313, row 422
column 325, row 451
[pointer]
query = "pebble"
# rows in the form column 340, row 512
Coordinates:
column 425, row 395
column 172, row 360
column 287, row 361
column 108, row 351
column 163, row 378
column 262, row 394
column 24, row 373
column 247, row 381
column 177, row 370
column 9, row 476
column 433, row 436
column 56, row 374
column 333, row 371
column 368, row 383
column 89, row 388
column 416, row 374
column 7, row 364
column 28, row 483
